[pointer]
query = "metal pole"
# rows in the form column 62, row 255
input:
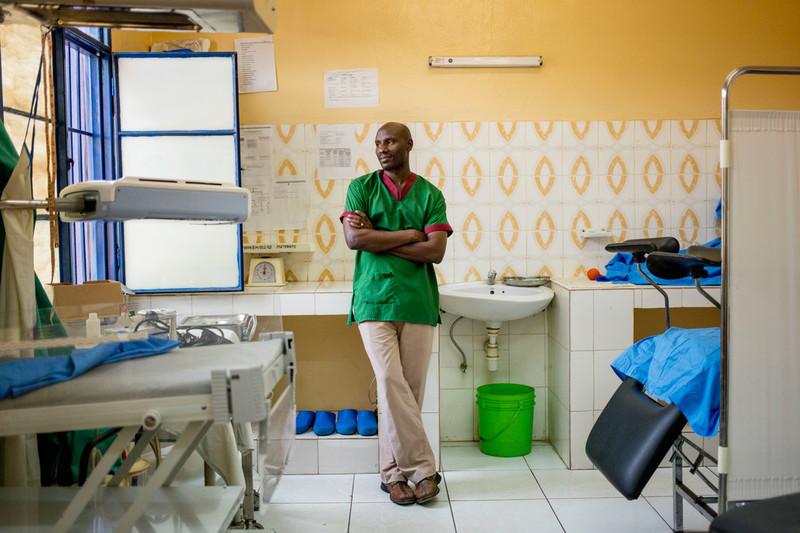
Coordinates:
column 72, row 205
column 2, row 118
column 725, row 163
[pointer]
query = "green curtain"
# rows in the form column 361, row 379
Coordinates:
column 59, row 453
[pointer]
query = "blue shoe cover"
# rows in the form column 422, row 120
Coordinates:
column 367, row 423
column 346, row 422
column 325, row 423
column 304, row 421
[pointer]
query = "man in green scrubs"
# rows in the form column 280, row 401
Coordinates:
column 397, row 223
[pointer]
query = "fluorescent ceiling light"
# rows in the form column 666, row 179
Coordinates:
column 485, row 61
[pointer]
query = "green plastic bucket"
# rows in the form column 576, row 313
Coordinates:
column 505, row 419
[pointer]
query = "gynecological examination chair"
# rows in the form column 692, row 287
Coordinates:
column 634, row 432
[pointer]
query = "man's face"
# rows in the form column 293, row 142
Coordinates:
column 392, row 148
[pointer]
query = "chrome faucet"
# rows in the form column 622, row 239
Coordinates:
column 492, row 276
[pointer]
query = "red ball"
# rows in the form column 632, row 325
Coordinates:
column 592, row 273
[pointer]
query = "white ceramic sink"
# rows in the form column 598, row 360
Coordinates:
column 493, row 303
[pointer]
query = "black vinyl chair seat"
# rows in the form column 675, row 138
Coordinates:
column 772, row 515
column 675, row 266
column 631, row 436
column 640, row 247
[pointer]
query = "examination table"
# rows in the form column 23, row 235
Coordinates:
column 195, row 388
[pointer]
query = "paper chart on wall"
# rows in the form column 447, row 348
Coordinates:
column 276, row 202
column 336, row 150
column 351, row 88
column 256, row 64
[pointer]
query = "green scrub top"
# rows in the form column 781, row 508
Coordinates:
column 386, row 287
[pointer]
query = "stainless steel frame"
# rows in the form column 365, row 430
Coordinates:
column 725, row 167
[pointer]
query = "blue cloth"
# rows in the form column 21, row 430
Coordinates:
column 324, row 423
column 680, row 366
column 622, row 269
column 367, row 423
column 346, row 422
column 25, row 375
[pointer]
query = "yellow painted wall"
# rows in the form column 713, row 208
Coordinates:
column 603, row 60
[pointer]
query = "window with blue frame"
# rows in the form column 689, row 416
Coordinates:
column 193, row 136
column 177, row 119
column 84, row 145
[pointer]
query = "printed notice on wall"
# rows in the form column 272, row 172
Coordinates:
column 257, row 174
column 256, row 64
column 351, row 88
column 336, row 150
column 276, row 201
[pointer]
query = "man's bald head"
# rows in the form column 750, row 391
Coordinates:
column 392, row 144
column 397, row 129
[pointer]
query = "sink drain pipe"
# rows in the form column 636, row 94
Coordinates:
column 491, row 349
column 463, row 357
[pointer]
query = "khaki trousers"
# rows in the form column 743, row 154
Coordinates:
column 400, row 353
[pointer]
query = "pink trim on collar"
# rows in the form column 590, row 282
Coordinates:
column 392, row 189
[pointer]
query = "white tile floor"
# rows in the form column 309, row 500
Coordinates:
column 480, row 494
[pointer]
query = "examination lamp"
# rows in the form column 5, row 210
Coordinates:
column 485, row 61
column 133, row 198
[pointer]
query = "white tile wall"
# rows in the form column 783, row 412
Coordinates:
column 255, row 304
column 332, row 303
column 522, row 347
column 430, row 403
column 613, row 319
column 605, row 380
column 580, row 424
column 650, row 298
column 692, row 298
column 541, row 414
column 563, row 353
column 295, row 304
column 456, row 414
column 517, row 190
column 581, row 380
column 581, row 320
column 203, row 304
column 305, row 456
column 430, row 421
column 347, row 456
column 527, row 357
column 558, row 371
column 558, row 427
column 558, row 316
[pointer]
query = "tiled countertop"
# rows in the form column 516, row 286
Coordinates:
column 312, row 287
column 644, row 296
column 295, row 298
column 333, row 298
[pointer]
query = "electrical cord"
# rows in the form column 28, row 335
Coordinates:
column 209, row 335
column 375, row 402
column 161, row 326
column 83, row 467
